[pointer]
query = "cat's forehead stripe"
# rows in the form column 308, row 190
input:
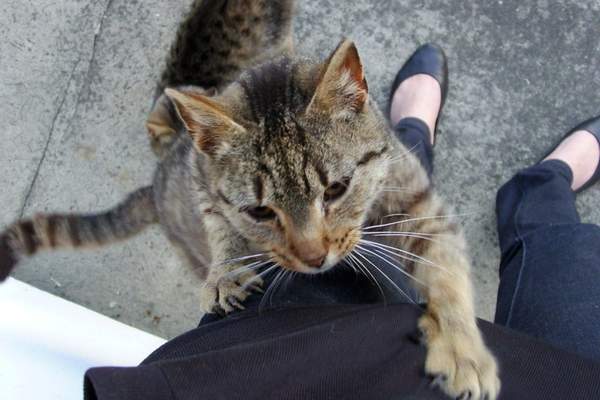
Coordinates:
column 270, row 90
column 321, row 173
column 258, row 189
column 305, row 176
column 371, row 155
column 223, row 197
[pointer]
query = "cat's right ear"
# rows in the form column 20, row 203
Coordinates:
column 206, row 120
column 342, row 89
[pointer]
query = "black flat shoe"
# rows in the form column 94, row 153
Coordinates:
column 428, row 59
column 592, row 126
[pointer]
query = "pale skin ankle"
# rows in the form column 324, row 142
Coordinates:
column 419, row 96
column 580, row 151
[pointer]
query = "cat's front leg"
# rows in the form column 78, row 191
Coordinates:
column 226, row 288
column 431, row 246
column 457, row 356
column 230, row 278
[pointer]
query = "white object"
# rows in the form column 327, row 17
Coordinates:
column 47, row 344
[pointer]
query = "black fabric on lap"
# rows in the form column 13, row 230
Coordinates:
column 330, row 352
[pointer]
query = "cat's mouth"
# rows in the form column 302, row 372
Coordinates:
column 317, row 263
column 297, row 265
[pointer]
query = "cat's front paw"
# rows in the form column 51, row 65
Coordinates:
column 224, row 294
column 460, row 363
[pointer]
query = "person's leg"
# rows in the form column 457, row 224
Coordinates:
column 536, row 197
column 550, row 266
column 414, row 110
column 414, row 135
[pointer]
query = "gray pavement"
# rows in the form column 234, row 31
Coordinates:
column 76, row 79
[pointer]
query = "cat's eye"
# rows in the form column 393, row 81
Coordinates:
column 336, row 190
column 261, row 213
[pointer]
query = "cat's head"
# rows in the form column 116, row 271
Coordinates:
column 296, row 155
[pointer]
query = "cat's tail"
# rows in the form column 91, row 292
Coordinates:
column 26, row 237
column 220, row 38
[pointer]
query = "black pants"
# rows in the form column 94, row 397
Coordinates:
column 550, row 267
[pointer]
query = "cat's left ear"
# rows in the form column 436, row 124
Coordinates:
column 207, row 121
column 342, row 90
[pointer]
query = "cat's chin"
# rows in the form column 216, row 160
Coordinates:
column 310, row 271
column 330, row 261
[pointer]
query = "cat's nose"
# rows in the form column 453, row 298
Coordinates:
column 316, row 262
column 312, row 253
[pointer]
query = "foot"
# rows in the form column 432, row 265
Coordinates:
column 419, row 96
column 581, row 152
column 223, row 293
column 459, row 362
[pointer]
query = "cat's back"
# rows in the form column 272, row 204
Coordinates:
column 220, row 38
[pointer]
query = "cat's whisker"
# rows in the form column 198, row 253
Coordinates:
column 368, row 274
column 258, row 276
column 408, row 235
column 359, row 266
column 347, row 262
column 402, row 156
column 241, row 269
column 267, row 292
column 362, row 227
column 233, row 260
column 399, row 190
column 395, row 215
column 416, row 235
column 251, row 266
column 404, row 254
column 386, row 277
column 289, row 278
column 277, row 283
column 270, row 290
column 417, row 219
column 382, row 233
column 387, row 259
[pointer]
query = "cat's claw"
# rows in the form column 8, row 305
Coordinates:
column 465, row 396
column 438, row 381
column 256, row 288
column 218, row 310
column 225, row 295
column 461, row 365
column 233, row 302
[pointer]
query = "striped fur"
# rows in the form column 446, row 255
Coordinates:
column 216, row 41
column 220, row 38
column 47, row 232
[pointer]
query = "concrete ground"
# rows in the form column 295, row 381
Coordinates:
column 76, row 78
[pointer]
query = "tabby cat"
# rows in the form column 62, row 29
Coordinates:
column 270, row 158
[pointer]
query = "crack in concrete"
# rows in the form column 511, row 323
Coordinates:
column 48, row 140
column 86, row 82
column 85, row 87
